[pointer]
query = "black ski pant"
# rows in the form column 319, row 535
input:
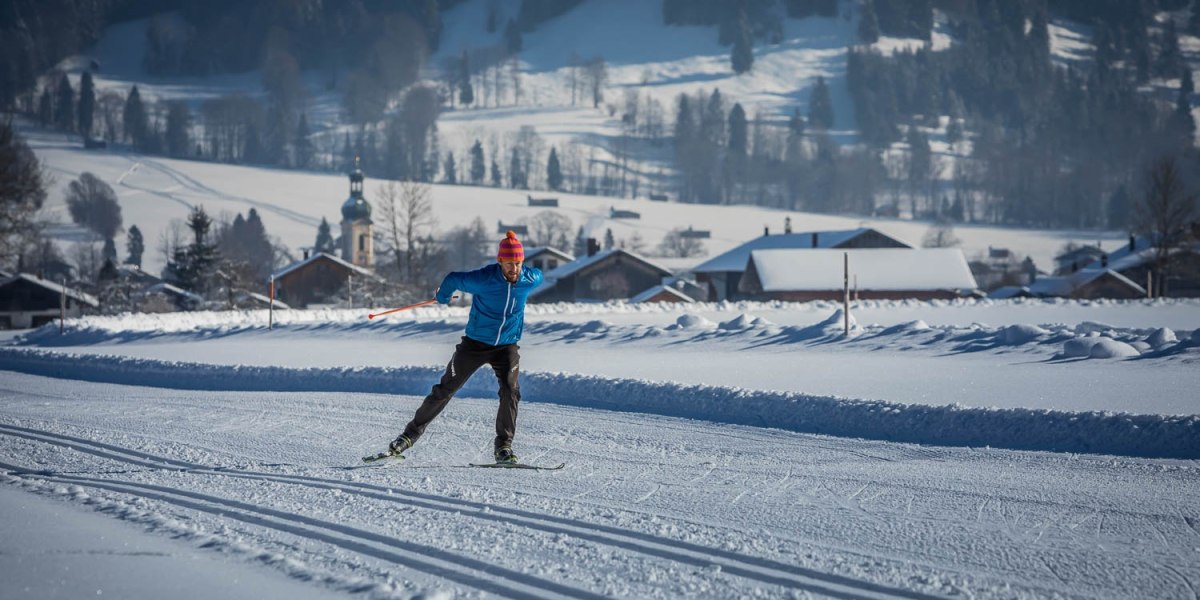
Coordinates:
column 469, row 355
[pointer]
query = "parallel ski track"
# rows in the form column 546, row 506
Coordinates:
column 753, row 568
column 188, row 181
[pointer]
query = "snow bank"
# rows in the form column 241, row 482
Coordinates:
column 1161, row 436
column 1107, row 348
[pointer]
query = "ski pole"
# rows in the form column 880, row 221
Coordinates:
column 419, row 304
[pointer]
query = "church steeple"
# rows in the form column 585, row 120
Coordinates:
column 357, row 246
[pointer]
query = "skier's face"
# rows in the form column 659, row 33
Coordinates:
column 511, row 269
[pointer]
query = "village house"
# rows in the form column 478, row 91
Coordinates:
column 1136, row 261
column 30, row 301
column 316, row 279
column 546, row 258
column 722, row 274
column 883, row 273
column 1086, row 284
column 615, row 274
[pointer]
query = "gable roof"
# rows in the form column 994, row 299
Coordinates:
column 736, row 259
column 72, row 293
column 582, row 263
column 318, row 256
column 536, row 250
column 876, row 269
column 1065, row 285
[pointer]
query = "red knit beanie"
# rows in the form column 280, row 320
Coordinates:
column 511, row 249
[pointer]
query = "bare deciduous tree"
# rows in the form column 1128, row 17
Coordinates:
column 550, row 228
column 1166, row 212
column 406, row 218
column 596, row 72
column 677, row 245
column 93, row 204
column 940, row 235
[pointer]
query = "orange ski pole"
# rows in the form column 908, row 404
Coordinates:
column 419, row 304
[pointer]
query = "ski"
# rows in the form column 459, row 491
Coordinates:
column 381, row 456
column 517, row 466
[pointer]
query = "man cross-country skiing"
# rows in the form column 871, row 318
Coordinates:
column 498, row 292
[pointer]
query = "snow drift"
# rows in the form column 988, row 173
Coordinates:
column 1157, row 436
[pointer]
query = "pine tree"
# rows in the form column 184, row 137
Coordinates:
column 135, row 246
column 512, row 37
column 497, row 178
column 64, row 105
column 737, row 131
column 303, row 145
column 580, row 248
column 192, row 266
column 1186, row 84
column 1183, row 124
column 554, row 177
column 109, row 253
column 478, row 167
column 179, row 120
column 136, row 125
column 87, row 104
column 450, row 174
column 609, row 241
column 742, row 55
column 820, row 106
column 868, row 23
column 1170, row 57
column 516, row 174
column 45, row 108
column 324, row 241
column 466, row 93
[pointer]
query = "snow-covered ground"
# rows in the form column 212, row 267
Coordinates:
column 944, row 449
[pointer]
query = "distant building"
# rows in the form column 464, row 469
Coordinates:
column 519, row 230
column 546, row 258
column 1075, row 259
column 358, row 246
column 30, row 301
column 546, row 202
column 615, row 274
column 885, row 273
column 1136, row 260
column 722, row 273
column 316, row 279
column 1087, row 284
column 616, row 213
column 164, row 297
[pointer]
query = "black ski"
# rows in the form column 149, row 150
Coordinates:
column 381, row 456
column 517, row 466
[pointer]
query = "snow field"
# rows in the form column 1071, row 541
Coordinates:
column 649, row 506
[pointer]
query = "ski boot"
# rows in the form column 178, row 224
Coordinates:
column 504, row 456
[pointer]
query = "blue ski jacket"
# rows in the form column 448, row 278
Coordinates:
column 497, row 306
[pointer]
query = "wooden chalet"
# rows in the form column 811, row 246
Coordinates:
column 315, row 279
column 615, row 274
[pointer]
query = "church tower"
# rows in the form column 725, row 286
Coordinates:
column 357, row 228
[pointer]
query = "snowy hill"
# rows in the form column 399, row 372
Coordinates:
column 153, row 191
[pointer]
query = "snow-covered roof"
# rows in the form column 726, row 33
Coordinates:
column 581, row 263
column 174, row 291
column 1064, row 285
column 1127, row 258
column 658, row 289
column 317, row 256
column 735, row 259
column 876, row 269
column 77, row 295
column 536, row 250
